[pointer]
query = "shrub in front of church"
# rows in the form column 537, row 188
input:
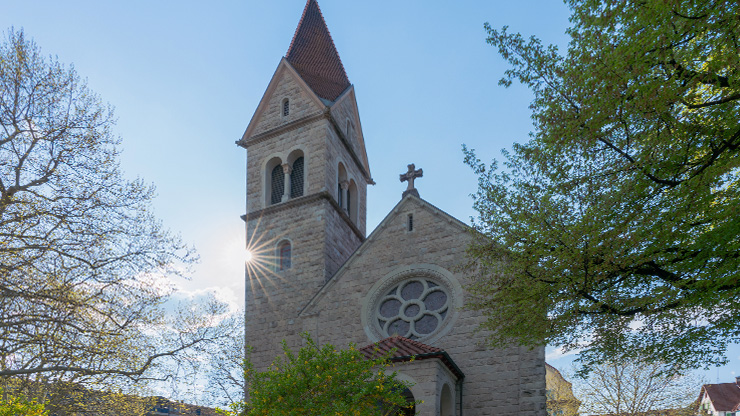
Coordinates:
column 323, row 380
column 18, row 406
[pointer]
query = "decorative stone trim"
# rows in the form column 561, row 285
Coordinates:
column 292, row 125
column 302, row 201
column 419, row 302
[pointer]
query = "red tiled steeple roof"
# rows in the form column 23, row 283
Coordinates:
column 313, row 54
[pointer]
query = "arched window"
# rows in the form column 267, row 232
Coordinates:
column 341, row 178
column 296, row 178
column 340, row 200
column 284, row 254
column 349, row 202
column 286, row 107
column 353, row 201
column 278, row 184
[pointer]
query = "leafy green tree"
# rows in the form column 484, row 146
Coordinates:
column 19, row 406
column 323, row 380
column 616, row 228
column 84, row 265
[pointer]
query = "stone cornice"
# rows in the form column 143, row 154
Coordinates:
column 326, row 114
column 280, row 130
column 295, row 202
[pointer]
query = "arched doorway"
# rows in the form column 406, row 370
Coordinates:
column 411, row 410
column 446, row 402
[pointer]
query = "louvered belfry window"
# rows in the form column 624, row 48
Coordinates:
column 349, row 202
column 296, row 178
column 278, row 185
column 286, row 107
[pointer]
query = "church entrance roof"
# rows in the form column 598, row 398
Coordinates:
column 404, row 349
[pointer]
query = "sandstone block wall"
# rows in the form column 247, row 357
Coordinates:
column 497, row 381
column 301, row 104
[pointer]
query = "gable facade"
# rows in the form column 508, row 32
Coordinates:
column 314, row 269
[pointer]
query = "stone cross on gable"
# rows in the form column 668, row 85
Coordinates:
column 409, row 177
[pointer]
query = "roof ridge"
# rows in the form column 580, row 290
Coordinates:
column 297, row 28
column 411, row 341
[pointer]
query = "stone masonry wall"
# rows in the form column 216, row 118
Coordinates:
column 301, row 104
column 497, row 381
column 336, row 152
column 309, row 138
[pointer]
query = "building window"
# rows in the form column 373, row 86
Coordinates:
column 278, row 185
column 341, row 190
column 410, row 224
column 353, row 201
column 349, row 202
column 415, row 309
column 296, row 178
column 284, row 256
column 286, row 107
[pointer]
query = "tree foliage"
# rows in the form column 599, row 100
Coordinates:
column 637, row 388
column 323, row 380
column 83, row 263
column 19, row 406
column 616, row 227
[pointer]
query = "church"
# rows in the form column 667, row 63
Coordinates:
column 315, row 269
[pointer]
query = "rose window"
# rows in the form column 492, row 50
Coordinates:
column 413, row 309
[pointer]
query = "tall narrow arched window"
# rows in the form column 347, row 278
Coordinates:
column 349, row 202
column 296, row 178
column 286, row 107
column 353, row 201
column 278, row 184
column 341, row 179
column 284, row 253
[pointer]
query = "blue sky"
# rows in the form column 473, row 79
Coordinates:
column 185, row 78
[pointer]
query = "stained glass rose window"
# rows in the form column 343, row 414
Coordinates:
column 414, row 309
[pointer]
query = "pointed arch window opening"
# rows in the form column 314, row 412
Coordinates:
column 278, row 184
column 296, row 178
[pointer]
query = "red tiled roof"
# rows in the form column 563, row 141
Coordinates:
column 405, row 349
column 313, row 54
column 725, row 396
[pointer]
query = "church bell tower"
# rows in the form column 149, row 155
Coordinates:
column 307, row 177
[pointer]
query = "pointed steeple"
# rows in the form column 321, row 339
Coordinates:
column 313, row 55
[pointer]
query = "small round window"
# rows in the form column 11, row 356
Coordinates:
column 414, row 309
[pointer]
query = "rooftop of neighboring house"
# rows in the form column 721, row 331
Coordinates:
column 725, row 397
